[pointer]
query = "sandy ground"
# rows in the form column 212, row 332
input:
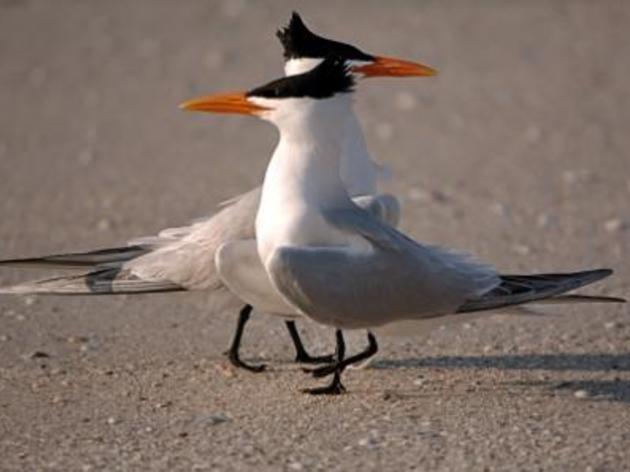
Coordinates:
column 517, row 152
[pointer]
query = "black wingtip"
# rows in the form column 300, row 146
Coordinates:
column 586, row 276
column 544, row 288
column 578, row 297
column 597, row 274
column 80, row 259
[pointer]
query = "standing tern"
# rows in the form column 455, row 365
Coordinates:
column 331, row 260
column 183, row 258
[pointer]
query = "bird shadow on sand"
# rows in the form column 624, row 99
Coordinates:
column 553, row 362
column 615, row 389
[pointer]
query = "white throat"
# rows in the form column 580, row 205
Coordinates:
column 358, row 171
column 303, row 178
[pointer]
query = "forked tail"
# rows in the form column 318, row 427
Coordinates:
column 80, row 259
column 104, row 281
column 540, row 288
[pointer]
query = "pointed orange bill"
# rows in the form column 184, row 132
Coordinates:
column 391, row 67
column 235, row 102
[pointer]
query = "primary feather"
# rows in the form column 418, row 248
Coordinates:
column 97, row 282
column 176, row 259
column 521, row 289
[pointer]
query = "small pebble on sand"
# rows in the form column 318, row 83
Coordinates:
column 522, row 249
column 581, row 394
column 39, row 355
column 615, row 225
column 213, row 420
column 29, row 300
column 500, row 209
column 544, row 220
column 104, row 224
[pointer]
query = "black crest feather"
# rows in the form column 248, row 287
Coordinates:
column 300, row 42
column 330, row 77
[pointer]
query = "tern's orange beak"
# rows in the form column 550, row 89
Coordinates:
column 392, row 67
column 235, row 102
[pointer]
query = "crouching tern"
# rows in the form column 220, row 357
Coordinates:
column 183, row 258
column 319, row 254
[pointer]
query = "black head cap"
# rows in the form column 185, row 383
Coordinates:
column 299, row 42
column 330, row 77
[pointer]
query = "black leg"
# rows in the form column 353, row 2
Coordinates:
column 300, row 352
column 232, row 352
column 365, row 354
column 335, row 387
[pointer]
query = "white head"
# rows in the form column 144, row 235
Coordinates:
column 284, row 104
column 318, row 101
column 303, row 50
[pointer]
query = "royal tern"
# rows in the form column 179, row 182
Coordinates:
column 183, row 258
column 331, row 260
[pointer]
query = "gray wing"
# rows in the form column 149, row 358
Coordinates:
column 242, row 272
column 176, row 259
column 385, row 207
column 239, row 209
column 399, row 279
column 76, row 260
column 102, row 281
column 189, row 260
